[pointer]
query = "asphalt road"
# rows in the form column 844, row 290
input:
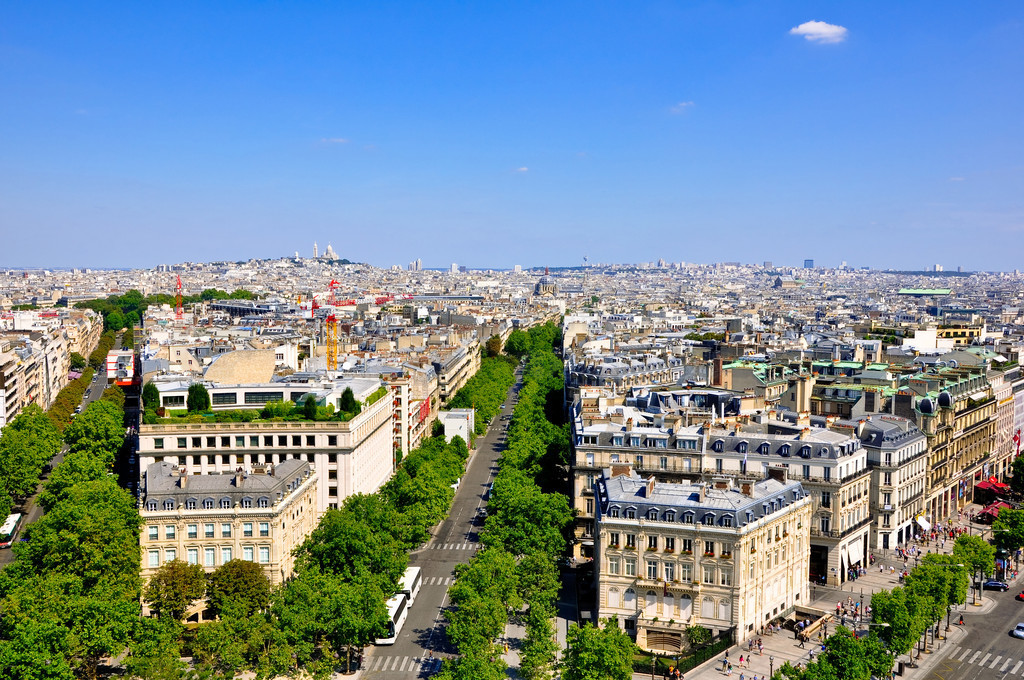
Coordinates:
column 988, row 651
column 422, row 643
column 30, row 509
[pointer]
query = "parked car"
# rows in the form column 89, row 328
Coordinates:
column 1018, row 631
column 481, row 513
column 995, row 585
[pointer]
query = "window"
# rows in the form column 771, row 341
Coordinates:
column 169, row 532
column 630, row 513
column 590, row 506
column 247, row 529
column 264, row 529
column 223, row 398
column 193, row 555
column 639, row 461
column 686, row 572
column 807, row 471
column 247, row 553
column 225, row 442
column 709, row 547
column 826, row 498
column 670, row 571
column 246, row 502
column 727, row 521
column 784, row 450
column 154, row 533
column 709, row 574
column 589, row 458
column 225, row 531
column 197, row 442
column 825, row 524
column 207, row 504
column 652, row 542
column 263, row 397
column 154, row 558
column 168, row 505
column 209, row 557
column 263, row 502
column 613, row 512
column 630, row 566
column 687, row 546
column 239, row 441
column 208, row 530
column 211, row 442
column 264, row 555
column 652, row 570
column 663, row 463
column 174, row 400
column 296, row 440
column 828, row 473
column 652, row 514
column 151, row 506
column 193, row 531
column 718, row 446
column 718, row 465
column 614, row 565
column 687, row 518
column 225, row 555
column 613, row 539
column 310, row 440
column 725, row 578
column 763, row 449
column 170, row 554
column 887, row 478
column 282, row 440
column 225, row 503
column 670, row 543
column 182, row 442
column 630, row 540
column 708, row 520
column 254, row 440
column 158, row 443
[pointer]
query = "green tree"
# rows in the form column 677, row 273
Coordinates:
column 238, row 587
column 347, row 403
column 1017, row 480
column 309, row 407
column 976, row 554
column 1008, row 530
column 77, row 467
column 78, row 362
column 518, row 343
column 493, row 346
column 115, row 321
column 198, row 399
column 155, row 650
column 173, row 588
column 99, row 430
column 437, row 429
column 598, row 654
column 150, row 397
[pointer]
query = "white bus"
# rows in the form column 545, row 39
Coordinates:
column 410, row 584
column 398, row 609
column 9, row 530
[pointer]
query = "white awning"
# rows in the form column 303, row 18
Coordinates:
column 924, row 523
column 856, row 551
column 843, row 559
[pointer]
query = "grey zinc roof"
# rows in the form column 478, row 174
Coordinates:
column 162, row 482
column 630, row 490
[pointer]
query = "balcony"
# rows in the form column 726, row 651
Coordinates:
column 841, row 534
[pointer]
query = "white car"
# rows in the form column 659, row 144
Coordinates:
column 1018, row 631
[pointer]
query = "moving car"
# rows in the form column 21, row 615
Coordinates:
column 995, row 585
column 481, row 514
column 1018, row 631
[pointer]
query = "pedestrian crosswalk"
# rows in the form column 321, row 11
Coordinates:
column 1006, row 665
column 438, row 580
column 401, row 664
column 455, row 546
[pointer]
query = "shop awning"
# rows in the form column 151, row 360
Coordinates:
column 984, row 486
column 844, row 557
column 995, row 508
column 856, row 551
column 924, row 523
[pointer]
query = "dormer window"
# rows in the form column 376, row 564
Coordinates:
column 246, row 502
column 784, row 450
column 263, row 502
column 151, row 506
column 805, row 451
column 168, row 505
column 763, row 449
column 207, row 504
column 823, row 452
column 630, row 513
column 727, row 521
column 652, row 514
column 670, row 516
column 718, row 446
column 225, row 503
column 613, row 512
column 687, row 518
column 741, row 447
column 190, row 504
column 709, row 519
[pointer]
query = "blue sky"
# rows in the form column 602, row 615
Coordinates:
column 493, row 134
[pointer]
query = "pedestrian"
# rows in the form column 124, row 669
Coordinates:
column 802, row 640
column 728, row 669
column 741, row 662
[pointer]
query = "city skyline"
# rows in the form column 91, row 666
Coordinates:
column 694, row 133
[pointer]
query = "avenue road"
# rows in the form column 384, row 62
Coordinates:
column 422, row 643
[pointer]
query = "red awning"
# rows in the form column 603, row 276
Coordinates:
column 984, row 486
column 995, row 508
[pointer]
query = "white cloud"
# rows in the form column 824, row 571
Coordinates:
column 820, row 32
column 523, row 169
column 334, row 140
column 681, row 107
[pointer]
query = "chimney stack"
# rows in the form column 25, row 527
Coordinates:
column 182, row 477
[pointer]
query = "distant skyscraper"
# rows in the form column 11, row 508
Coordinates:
column 419, row 264
column 316, row 250
column 767, row 264
column 808, row 264
column 454, row 269
column 518, row 269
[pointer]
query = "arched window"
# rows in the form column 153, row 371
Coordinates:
column 651, row 604
column 707, row 608
column 670, row 516
column 723, row 609
column 669, row 606
column 629, row 601
column 613, row 597
column 685, row 607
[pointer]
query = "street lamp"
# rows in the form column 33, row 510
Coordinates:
column 771, row 666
